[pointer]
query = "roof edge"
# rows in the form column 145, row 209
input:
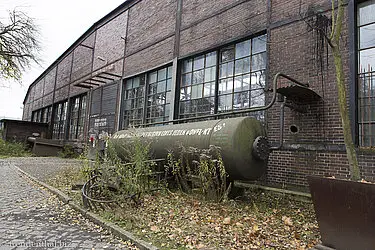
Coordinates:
column 113, row 14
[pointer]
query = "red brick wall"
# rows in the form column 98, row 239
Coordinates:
column 149, row 29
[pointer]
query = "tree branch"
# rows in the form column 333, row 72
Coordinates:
column 19, row 45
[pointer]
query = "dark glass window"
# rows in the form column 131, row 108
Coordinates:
column 159, row 95
column 242, row 75
column 47, row 114
column 39, row 115
column 77, row 117
column 134, row 90
column 236, row 73
column 366, row 73
column 198, row 84
column 59, row 121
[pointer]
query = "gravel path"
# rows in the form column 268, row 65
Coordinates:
column 32, row 218
column 43, row 168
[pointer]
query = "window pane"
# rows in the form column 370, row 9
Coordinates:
column 196, row 91
column 367, row 36
column 161, row 98
column 168, row 97
column 258, row 62
column 259, row 44
column 257, row 80
column 153, row 77
column 210, row 74
column 170, row 72
column 162, row 74
column 246, row 82
column 161, row 87
column 366, row 12
column 169, row 84
column 238, row 83
column 223, row 70
column 152, row 89
column 227, row 54
column 207, row 89
column 241, row 100
column 129, row 84
column 136, row 82
column 257, row 98
column 185, row 93
column 225, row 86
column 243, row 49
column 367, row 60
column 167, row 109
column 186, row 79
column 242, row 66
column 187, row 65
column 198, row 76
column 211, row 59
column 225, row 103
column 198, row 63
column 230, row 68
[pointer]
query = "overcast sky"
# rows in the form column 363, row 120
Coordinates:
column 60, row 23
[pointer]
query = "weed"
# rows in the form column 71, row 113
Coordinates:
column 125, row 177
column 13, row 149
column 68, row 152
column 208, row 172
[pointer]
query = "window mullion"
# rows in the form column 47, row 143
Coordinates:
column 216, row 105
column 145, row 97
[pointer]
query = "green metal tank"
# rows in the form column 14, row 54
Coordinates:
column 244, row 147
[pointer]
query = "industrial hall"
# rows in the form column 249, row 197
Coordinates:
column 155, row 63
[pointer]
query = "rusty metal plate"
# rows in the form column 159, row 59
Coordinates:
column 299, row 93
column 345, row 211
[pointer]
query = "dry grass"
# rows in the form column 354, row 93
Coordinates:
column 174, row 220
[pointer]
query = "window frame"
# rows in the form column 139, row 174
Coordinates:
column 360, row 136
column 59, row 124
column 218, row 50
column 142, row 118
column 78, row 122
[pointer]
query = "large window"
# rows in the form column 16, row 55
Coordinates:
column 59, row 120
column 198, row 85
column 155, row 87
column 134, row 101
column 47, row 112
column 77, row 117
column 159, row 95
column 42, row 115
column 366, row 73
column 233, row 76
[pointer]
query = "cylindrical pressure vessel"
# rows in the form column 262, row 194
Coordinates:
column 242, row 141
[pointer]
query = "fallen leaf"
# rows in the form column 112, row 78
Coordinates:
column 227, row 221
column 287, row 220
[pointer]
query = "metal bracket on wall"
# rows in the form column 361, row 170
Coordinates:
column 98, row 80
column 298, row 97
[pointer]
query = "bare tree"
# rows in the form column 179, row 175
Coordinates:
column 19, row 45
column 332, row 36
column 334, row 43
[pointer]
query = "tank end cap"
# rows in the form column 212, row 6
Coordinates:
column 261, row 149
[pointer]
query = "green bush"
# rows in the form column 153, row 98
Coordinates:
column 207, row 172
column 68, row 152
column 13, row 149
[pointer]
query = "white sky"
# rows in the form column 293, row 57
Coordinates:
column 60, row 23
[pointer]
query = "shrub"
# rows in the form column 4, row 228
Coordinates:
column 13, row 149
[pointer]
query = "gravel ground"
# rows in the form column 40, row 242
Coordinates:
column 32, row 218
column 43, row 168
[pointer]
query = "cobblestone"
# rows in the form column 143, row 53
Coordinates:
column 32, row 218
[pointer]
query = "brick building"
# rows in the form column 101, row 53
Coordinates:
column 158, row 60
